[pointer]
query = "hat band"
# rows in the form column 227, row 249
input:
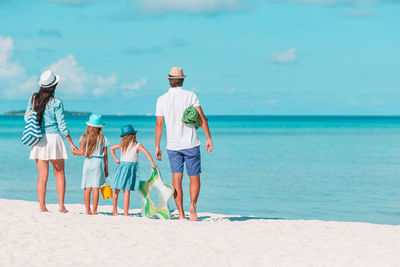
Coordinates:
column 55, row 78
column 172, row 76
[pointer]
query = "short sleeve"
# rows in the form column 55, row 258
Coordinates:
column 159, row 108
column 106, row 143
column 194, row 101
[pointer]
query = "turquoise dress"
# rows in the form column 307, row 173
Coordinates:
column 125, row 175
column 93, row 168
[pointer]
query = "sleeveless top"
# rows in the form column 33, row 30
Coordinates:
column 131, row 154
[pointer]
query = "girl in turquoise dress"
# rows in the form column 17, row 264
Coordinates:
column 124, row 177
column 95, row 167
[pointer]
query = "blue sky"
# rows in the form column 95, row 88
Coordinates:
column 241, row 57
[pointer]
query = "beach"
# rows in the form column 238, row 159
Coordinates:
column 31, row 238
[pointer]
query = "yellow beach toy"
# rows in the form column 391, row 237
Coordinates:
column 106, row 191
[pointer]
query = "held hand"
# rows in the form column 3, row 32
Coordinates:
column 158, row 154
column 106, row 172
column 209, row 146
column 73, row 147
column 154, row 166
column 117, row 161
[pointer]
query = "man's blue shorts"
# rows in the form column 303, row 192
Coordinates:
column 192, row 158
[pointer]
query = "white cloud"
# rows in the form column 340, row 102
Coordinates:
column 231, row 90
column 272, row 102
column 135, row 85
column 189, row 6
column 333, row 2
column 357, row 12
column 285, row 57
column 70, row 2
column 15, row 83
column 74, row 81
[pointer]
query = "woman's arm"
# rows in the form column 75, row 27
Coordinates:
column 105, row 162
column 147, row 154
column 71, row 144
column 59, row 112
column 28, row 109
column 62, row 126
column 80, row 152
column 112, row 150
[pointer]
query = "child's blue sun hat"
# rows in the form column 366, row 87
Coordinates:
column 95, row 120
column 127, row 129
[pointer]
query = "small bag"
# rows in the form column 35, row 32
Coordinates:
column 106, row 191
column 191, row 117
column 32, row 132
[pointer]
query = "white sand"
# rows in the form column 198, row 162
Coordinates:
column 30, row 238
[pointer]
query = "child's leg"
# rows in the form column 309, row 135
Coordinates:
column 115, row 202
column 127, row 197
column 95, row 199
column 88, row 190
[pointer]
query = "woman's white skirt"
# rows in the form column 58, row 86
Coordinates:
column 50, row 147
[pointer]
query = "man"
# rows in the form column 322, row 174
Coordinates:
column 183, row 145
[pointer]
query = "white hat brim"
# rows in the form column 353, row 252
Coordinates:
column 97, row 126
column 52, row 84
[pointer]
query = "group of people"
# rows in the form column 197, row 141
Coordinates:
column 182, row 146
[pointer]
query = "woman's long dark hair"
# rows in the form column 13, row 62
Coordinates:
column 41, row 100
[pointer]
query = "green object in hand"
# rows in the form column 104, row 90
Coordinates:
column 191, row 117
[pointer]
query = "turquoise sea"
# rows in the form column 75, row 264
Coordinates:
column 288, row 167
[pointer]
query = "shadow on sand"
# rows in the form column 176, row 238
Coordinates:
column 237, row 218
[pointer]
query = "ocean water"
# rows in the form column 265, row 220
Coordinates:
column 277, row 167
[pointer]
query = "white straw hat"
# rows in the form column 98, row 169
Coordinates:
column 176, row 73
column 48, row 79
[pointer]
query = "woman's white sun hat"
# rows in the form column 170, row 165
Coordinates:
column 176, row 73
column 48, row 79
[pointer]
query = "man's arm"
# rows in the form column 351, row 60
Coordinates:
column 204, row 124
column 159, row 129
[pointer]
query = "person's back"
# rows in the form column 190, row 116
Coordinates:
column 171, row 106
column 183, row 145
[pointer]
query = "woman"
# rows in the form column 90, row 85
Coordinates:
column 50, row 148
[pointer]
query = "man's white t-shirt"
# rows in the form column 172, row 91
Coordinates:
column 171, row 106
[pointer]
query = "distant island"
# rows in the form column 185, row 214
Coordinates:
column 22, row 112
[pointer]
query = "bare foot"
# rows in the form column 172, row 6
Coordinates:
column 63, row 210
column 181, row 215
column 115, row 213
column 44, row 209
column 89, row 212
column 95, row 212
column 193, row 214
column 126, row 214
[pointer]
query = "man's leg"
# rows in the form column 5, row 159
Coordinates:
column 193, row 166
column 194, row 194
column 176, row 163
column 178, row 194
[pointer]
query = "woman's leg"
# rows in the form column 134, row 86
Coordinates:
column 43, row 170
column 95, row 199
column 86, row 197
column 58, row 167
column 127, row 197
column 115, row 202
